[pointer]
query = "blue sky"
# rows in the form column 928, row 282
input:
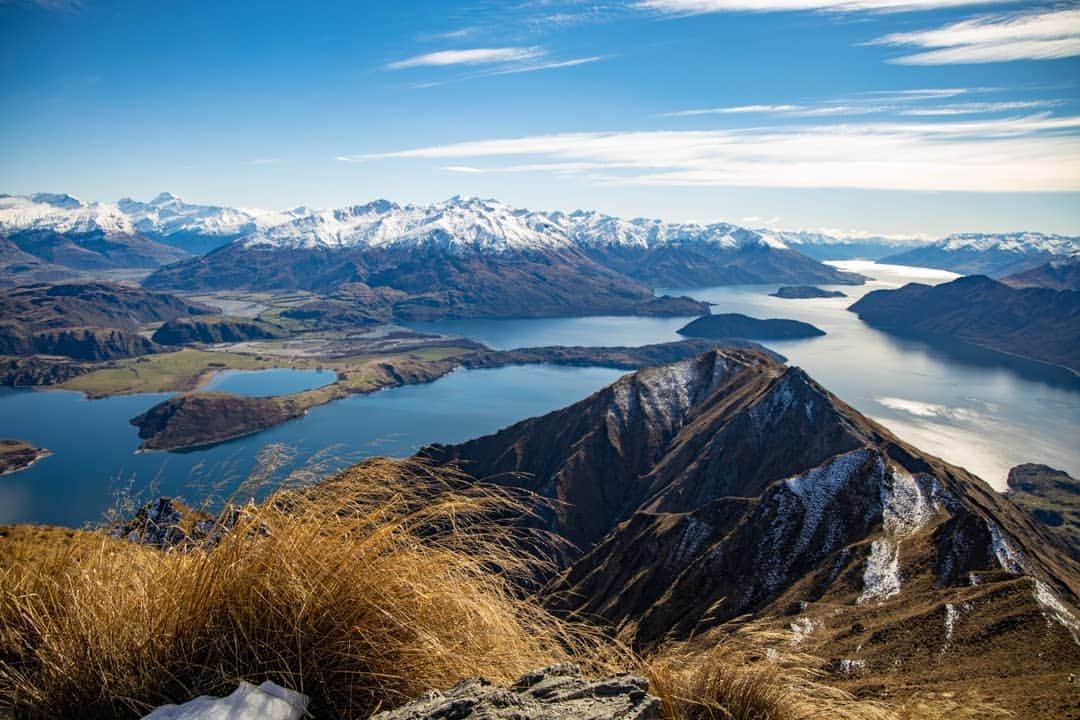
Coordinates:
column 887, row 116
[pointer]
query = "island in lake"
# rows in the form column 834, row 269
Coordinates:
column 737, row 325
column 198, row 419
column 16, row 455
column 805, row 292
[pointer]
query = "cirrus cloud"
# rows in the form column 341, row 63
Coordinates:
column 1037, row 153
column 1039, row 35
column 473, row 56
column 701, row 7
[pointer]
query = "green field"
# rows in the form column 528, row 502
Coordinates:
column 170, row 372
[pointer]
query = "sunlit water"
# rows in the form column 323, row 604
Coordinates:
column 974, row 408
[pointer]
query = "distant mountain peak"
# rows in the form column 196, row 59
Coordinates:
column 57, row 200
column 164, row 197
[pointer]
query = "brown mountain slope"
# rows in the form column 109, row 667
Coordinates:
column 1037, row 323
column 429, row 283
column 730, row 486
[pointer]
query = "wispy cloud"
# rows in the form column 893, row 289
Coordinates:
column 1040, row 35
column 735, row 110
column 1025, row 154
column 914, row 103
column 976, row 108
column 701, row 7
column 553, row 65
column 473, row 56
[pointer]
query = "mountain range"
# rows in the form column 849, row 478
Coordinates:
column 729, row 486
column 825, row 246
column 482, row 258
column 996, row 255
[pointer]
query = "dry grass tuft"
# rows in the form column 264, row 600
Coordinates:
column 361, row 592
column 756, row 674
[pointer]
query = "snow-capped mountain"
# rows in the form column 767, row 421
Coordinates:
column 198, row 228
column 475, row 224
column 593, row 229
column 414, row 248
column 50, row 236
column 995, row 255
column 458, row 226
column 826, row 246
column 61, row 213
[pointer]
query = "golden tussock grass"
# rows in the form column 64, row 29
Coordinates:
column 362, row 592
column 756, row 674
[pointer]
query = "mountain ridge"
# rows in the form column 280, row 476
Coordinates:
column 727, row 484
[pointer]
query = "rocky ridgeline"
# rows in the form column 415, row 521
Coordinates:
column 558, row 692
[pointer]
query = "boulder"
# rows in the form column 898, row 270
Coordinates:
column 558, row 692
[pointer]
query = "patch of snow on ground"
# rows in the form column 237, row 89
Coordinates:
column 881, row 577
column 802, row 628
column 1009, row 559
column 693, row 537
column 265, row 702
column 1056, row 610
column 951, row 613
column 905, row 508
column 818, row 488
column 848, row 666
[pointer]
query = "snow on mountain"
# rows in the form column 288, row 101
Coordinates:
column 1019, row 242
column 460, row 224
column 167, row 215
column 591, row 229
column 61, row 213
column 456, row 225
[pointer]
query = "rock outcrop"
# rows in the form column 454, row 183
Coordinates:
column 558, row 692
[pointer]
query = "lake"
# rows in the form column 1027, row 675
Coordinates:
column 94, row 446
column 974, row 408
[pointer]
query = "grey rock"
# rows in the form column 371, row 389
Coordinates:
column 557, row 692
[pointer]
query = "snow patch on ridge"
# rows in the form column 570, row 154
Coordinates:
column 1056, row 610
column 1007, row 557
column 905, row 508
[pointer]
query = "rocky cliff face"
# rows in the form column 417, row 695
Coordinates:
column 730, row 484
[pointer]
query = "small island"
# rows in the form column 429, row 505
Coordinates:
column 736, row 325
column 199, row 419
column 16, row 455
column 805, row 292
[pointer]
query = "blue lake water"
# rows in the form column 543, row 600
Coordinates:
column 264, row 383
column 94, row 446
column 978, row 409
column 970, row 407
